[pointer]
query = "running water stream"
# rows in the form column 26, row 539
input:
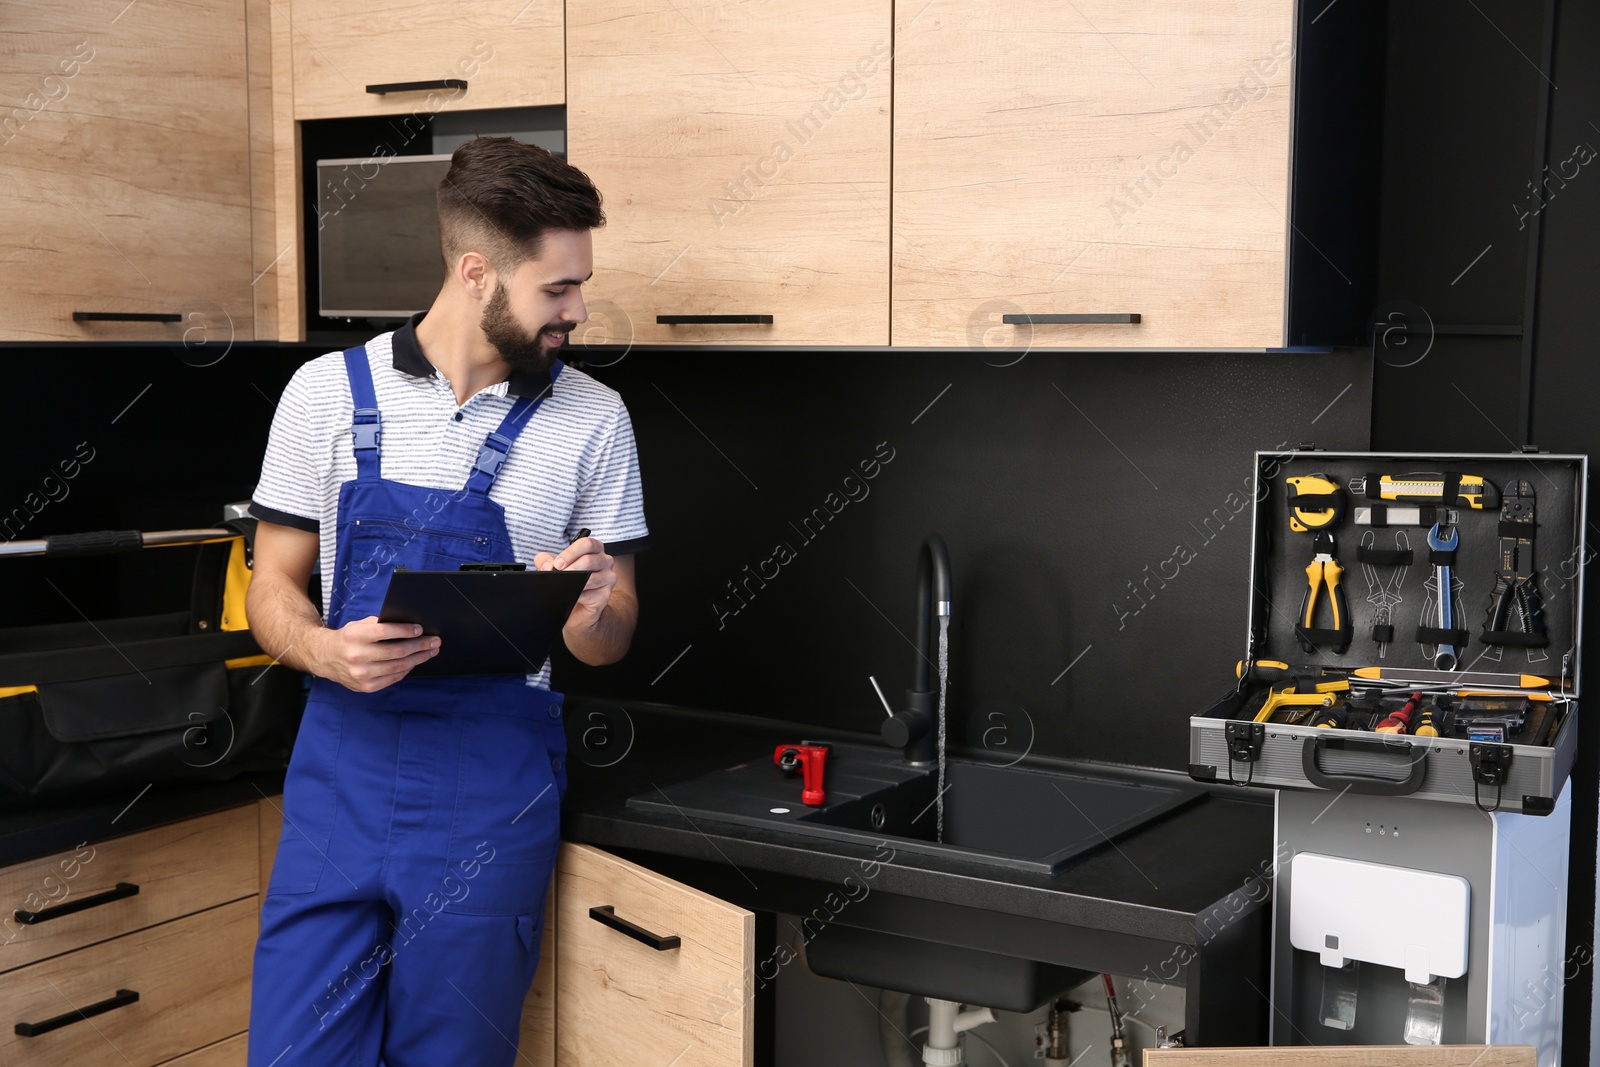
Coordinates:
column 944, row 674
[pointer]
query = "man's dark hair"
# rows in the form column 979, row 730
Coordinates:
column 500, row 197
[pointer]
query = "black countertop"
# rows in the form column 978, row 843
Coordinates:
column 1162, row 882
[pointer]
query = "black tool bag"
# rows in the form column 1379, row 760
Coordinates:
column 106, row 706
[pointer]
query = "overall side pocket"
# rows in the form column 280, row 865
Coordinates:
column 310, row 801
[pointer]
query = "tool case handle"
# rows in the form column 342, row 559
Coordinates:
column 1365, row 783
column 111, row 542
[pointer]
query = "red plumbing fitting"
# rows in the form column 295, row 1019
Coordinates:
column 809, row 759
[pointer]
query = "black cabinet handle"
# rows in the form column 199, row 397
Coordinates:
column 123, row 997
column 606, row 915
column 33, row 918
column 1121, row 318
column 126, row 316
column 714, row 320
column 1369, row 784
column 417, row 87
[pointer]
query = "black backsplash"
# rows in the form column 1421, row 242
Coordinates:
column 1096, row 508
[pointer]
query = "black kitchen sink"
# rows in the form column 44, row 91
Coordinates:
column 1023, row 818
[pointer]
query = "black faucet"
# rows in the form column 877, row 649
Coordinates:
column 916, row 729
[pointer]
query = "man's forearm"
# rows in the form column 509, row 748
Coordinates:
column 285, row 624
column 608, row 638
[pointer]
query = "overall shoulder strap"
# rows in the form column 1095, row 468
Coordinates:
column 365, row 429
column 492, row 453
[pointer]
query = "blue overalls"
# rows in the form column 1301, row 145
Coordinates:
column 402, row 923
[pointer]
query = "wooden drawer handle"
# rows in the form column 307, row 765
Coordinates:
column 417, row 87
column 123, row 997
column 714, row 320
column 126, row 316
column 33, row 918
column 1121, row 318
column 606, row 915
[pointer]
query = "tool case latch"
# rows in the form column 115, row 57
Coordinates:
column 1244, row 740
column 1490, row 763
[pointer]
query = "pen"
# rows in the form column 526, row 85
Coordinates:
column 582, row 534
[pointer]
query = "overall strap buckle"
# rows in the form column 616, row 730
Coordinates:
column 492, row 454
column 366, row 429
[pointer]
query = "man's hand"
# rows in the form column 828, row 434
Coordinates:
column 584, row 554
column 367, row 655
column 600, row 627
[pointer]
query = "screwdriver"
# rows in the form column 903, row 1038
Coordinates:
column 1426, row 727
column 1333, row 718
column 1272, row 670
column 1417, row 674
column 1399, row 721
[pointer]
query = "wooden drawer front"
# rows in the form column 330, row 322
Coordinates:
column 537, row 1042
column 179, row 869
column 509, row 52
column 743, row 153
column 1091, row 158
column 193, row 980
column 230, row 1053
column 129, row 191
column 615, row 996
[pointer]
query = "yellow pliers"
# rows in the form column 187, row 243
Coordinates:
column 1324, row 572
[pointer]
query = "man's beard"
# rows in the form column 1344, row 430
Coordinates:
column 523, row 350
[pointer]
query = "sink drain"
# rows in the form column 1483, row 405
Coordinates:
column 878, row 816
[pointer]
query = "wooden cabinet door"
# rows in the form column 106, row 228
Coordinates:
column 1091, row 158
column 690, row 1002
column 509, row 52
column 124, row 171
column 743, row 153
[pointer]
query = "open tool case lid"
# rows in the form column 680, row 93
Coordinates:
column 1506, row 751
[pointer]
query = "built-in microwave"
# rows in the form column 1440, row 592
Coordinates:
column 377, row 235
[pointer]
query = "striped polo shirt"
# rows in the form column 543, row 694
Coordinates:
column 573, row 466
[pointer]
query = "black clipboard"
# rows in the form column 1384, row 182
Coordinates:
column 488, row 621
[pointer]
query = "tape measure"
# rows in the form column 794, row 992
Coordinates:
column 1315, row 501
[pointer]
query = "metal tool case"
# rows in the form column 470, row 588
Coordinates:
column 1499, row 768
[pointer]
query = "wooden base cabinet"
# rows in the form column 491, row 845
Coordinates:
column 149, row 936
column 1097, row 159
column 639, row 968
column 743, row 153
column 124, row 173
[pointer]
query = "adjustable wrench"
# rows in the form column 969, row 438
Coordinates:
column 1446, row 657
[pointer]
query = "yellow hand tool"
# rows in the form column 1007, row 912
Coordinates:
column 1288, row 698
column 1315, row 501
column 1463, row 490
column 1324, row 573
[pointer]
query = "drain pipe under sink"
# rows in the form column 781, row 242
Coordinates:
column 946, row 1021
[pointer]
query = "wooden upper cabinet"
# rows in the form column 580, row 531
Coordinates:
column 743, row 153
column 644, row 962
column 1091, row 158
column 509, row 52
column 124, row 171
